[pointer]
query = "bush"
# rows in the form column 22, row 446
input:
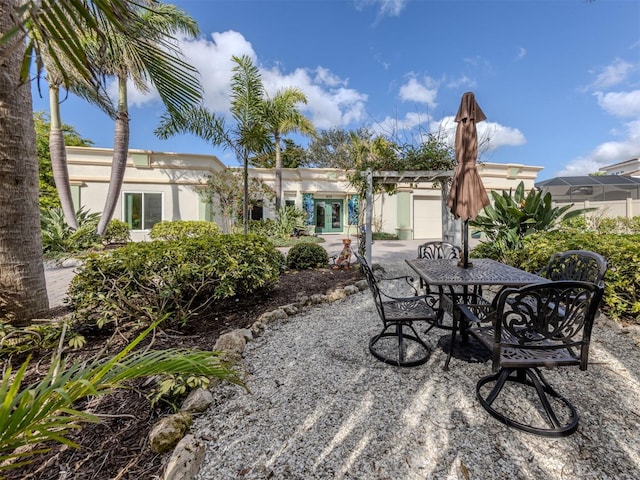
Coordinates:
column 178, row 278
column 622, row 281
column 307, row 255
column 58, row 237
column 180, row 229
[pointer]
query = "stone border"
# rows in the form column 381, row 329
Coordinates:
column 171, row 432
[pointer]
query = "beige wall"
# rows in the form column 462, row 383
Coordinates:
column 178, row 176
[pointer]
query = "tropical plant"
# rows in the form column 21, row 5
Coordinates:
column 27, row 30
column 179, row 229
column 177, row 279
column 48, row 193
column 247, row 136
column 281, row 117
column 516, row 214
column 224, row 192
column 156, row 24
column 304, row 256
column 46, row 410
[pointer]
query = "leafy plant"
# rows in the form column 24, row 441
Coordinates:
column 172, row 387
column 177, row 278
column 44, row 411
column 622, row 252
column 58, row 237
column 307, row 255
column 180, row 229
column 514, row 215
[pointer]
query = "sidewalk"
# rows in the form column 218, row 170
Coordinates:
column 383, row 251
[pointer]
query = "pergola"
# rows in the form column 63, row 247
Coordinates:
column 451, row 230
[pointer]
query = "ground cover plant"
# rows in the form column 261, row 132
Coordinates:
column 117, row 446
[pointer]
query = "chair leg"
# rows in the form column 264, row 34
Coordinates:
column 531, row 377
column 404, row 339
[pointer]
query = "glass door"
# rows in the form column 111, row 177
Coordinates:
column 328, row 215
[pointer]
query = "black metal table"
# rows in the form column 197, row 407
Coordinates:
column 447, row 274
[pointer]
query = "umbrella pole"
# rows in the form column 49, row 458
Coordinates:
column 465, row 244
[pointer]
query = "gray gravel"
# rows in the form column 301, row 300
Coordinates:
column 321, row 407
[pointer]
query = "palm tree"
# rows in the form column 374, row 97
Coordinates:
column 282, row 117
column 57, row 147
column 248, row 135
column 27, row 29
column 156, row 24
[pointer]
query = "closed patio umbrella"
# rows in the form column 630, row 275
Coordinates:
column 467, row 195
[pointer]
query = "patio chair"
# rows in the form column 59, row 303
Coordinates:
column 540, row 325
column 581, row 265
column 440, row 249
column 398, row 343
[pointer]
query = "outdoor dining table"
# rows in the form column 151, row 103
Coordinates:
column 455, row 281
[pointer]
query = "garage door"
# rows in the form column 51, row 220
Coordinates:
column 427, row 217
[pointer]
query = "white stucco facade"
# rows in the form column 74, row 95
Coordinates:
column 169, row 184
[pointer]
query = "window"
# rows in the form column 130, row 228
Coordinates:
column 142, row 210
column 289, row 203
column 257, row 210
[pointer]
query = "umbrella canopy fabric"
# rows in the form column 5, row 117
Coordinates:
column 467, row 195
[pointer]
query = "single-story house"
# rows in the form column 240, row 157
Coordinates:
column 165, row 186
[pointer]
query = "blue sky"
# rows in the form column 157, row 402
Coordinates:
column 559, row 80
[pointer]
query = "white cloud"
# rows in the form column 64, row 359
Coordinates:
column 386, row 8
column 620, row 104
column 424, row 92
column 330, row 102
column 607, row 153
column 491, row 135
column 612, row 75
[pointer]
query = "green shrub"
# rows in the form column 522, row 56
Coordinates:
column 307, row 255
column 117, row 232
column 515, row 214
column 622, row 281
column 180, row 229
column 181, row 278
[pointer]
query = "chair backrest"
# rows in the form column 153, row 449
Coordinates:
column 581, row 265
column 546, row 324
column 372, row 281
column 438, row 249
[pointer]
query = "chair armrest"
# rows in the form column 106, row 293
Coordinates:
column 406, row 278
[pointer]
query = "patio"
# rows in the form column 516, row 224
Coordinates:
column 323, row 407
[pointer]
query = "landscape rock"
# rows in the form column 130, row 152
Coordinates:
column 186, row 459
column 197, row 401
column 168, row 431
column 336, row 295
column 232, row 342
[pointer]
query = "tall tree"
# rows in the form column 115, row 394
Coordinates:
column 282, row 116
column 247, row 136
column 48, row 194
column 155, row 24
column 28, row 28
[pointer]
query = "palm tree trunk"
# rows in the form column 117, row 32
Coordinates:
column 23, row 290
column 278, row 174
column 120, row 151
column 245, row 196
column 58, row 154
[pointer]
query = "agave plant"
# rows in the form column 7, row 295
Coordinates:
column 44, row 411
column 514, row 215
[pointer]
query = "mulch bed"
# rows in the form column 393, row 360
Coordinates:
column 118, row 447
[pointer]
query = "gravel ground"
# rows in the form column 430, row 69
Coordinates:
column 321, row 407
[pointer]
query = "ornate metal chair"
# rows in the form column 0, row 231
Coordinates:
column 581, row 265
column 439, row 302
column 540, row 325
column 398, row 343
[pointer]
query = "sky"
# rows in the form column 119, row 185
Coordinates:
column 558, row 80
